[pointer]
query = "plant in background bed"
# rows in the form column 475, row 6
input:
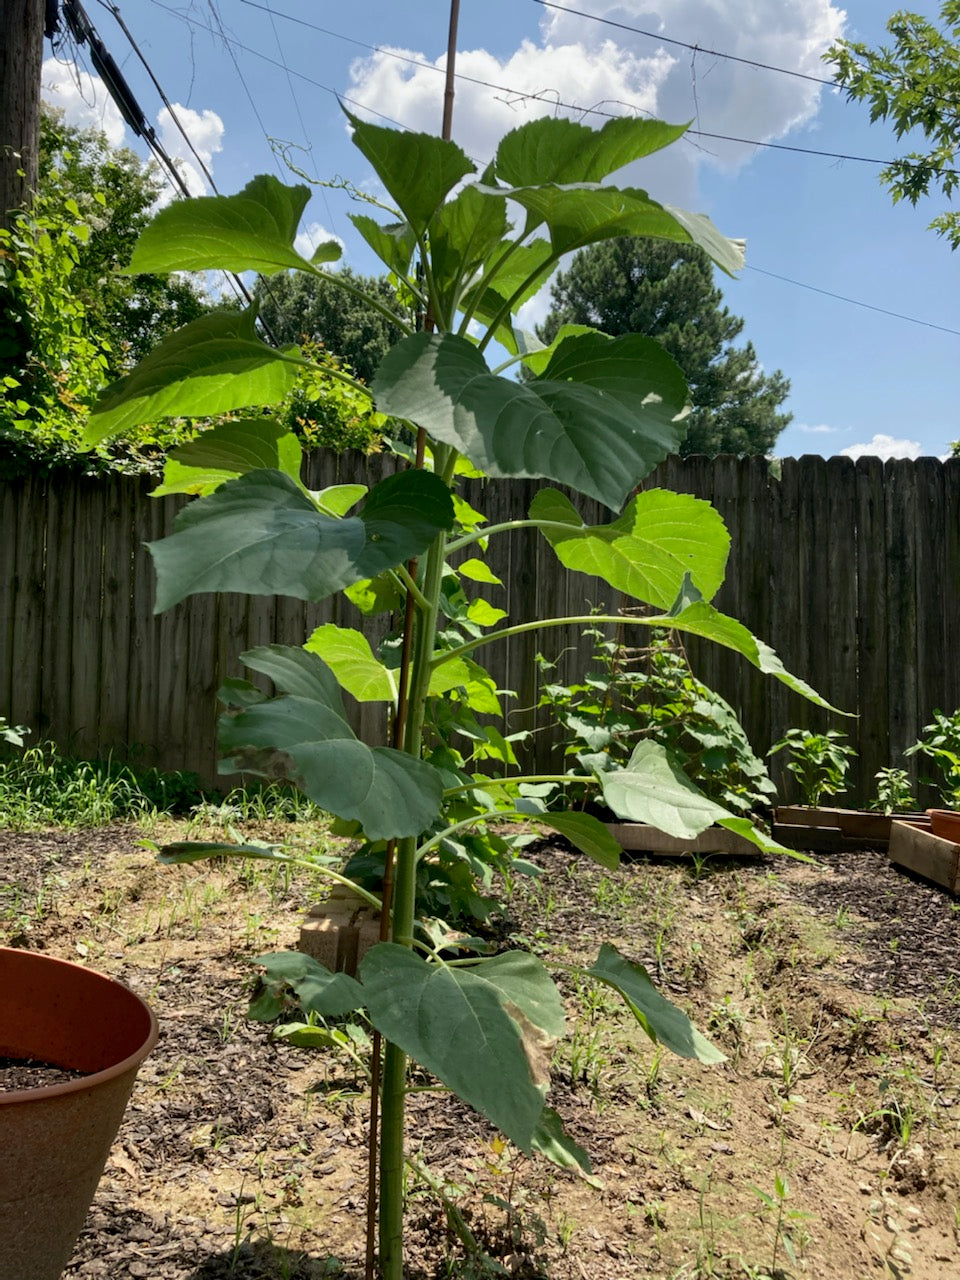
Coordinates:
column 819, row 761
column 650, row 694
column 595, row 415
column 940, row 742
column 894, row 792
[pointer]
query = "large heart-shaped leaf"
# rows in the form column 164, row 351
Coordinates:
column 582, row 214
column 303, row 736
column 554, row 149
column 702, row 619
column 653, row 788
column 605, row 412
column 464, row 1029
column 227, row 451
column 262, row 535
column 659, row 539
column 418, row 170
column 661, row 1020
column 253, row 230
column 212, row 365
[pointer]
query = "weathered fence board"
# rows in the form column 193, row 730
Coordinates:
column 838, row 565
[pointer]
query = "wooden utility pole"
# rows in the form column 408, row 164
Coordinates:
column 21, row 55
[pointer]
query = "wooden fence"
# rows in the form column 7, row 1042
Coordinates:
column 849, row 570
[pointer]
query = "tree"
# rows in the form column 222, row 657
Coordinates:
column 69, row 319
column 295, row 307
column 115, row 196
column 666, row 291
column 21, row 54
column 914, row 83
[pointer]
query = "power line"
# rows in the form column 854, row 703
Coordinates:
column 572, row 106
column 868, row 306
column 585, row 110
column 237, row 44
column 683, row 44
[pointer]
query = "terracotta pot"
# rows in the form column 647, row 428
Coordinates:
column 54, row 1141
column 945, row 823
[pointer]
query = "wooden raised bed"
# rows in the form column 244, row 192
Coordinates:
column 928, row 855
column 638, row 837
column 833, row 830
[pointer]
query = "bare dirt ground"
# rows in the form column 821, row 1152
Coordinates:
column 827, row 1146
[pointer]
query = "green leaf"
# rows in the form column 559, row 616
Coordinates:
column 348, row 655
column 586, row 833
column 653, row 788
column 227, row 451
column 463, row 1029
column 478, row 571
column 604, row 414
column 584, row 214
column 331, row 995
column 418, row 169
column 537, row 355
column 303, row 736
column 465, row 233
column 455, row 674
column 702, row 619
column 660, row 538
column 554, row 149
column 186, row 851
column 381, row 594
column 551, row 1140
column 212, row 365
column 337, row 499
column 393, row 243
column 484, row 614
column 262, row 535
column 251, row 231
column 663, row 1022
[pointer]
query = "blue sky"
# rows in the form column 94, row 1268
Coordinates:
column 239, row 73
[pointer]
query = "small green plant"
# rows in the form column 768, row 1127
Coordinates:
column 940, row 743
column 819, row 761
column 894, row 792
column 787, row 1232
column 649, row 694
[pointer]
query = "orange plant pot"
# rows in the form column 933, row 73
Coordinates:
column 945, row 823
column 54, row 1141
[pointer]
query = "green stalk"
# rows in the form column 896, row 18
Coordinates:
column 404, row 909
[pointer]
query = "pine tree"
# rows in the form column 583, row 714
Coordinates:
column 666, row 290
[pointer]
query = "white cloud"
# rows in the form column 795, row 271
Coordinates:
column 205, row 130
column 581, row 61
column 884, row 447
column 312, row 235
column 82, row 98
column 819, row 430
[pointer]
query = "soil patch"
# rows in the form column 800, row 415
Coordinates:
column 825, row 1146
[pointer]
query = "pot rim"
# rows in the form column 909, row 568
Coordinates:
column 10, row 1097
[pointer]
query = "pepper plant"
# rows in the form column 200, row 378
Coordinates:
column 593, row 413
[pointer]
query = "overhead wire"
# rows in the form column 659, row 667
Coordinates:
column 520, row 94
column 558, row 102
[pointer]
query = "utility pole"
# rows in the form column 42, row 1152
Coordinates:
column 21, row 55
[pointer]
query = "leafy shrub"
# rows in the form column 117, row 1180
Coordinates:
column 631, row 695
